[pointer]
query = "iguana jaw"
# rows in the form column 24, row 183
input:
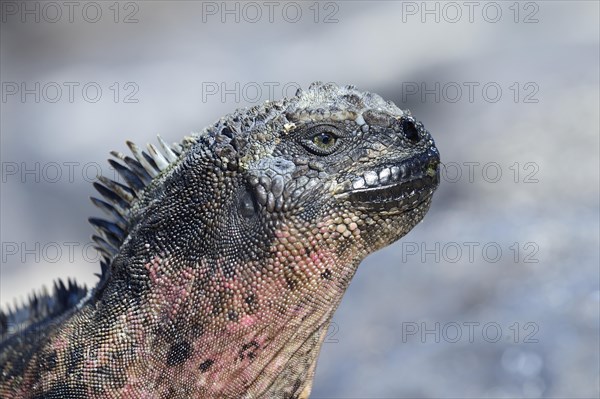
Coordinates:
column 396, row 187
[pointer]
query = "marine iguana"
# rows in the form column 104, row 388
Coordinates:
column 226, row 255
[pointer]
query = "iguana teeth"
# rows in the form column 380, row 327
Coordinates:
column 371, row 178
column 358, row 183
column 384, row 175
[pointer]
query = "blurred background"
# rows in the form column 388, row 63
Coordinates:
column 495, row 294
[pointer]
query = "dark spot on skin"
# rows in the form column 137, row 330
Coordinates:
column 205, row 365
column 62, row 390
column 250, row 299
column 179, row 352
column 297, row 385
column 249, row 350
column 252, row 304
column 50, row 360
column 233, row 315
column 291, row 282
column 75, row 360
column 326, row 274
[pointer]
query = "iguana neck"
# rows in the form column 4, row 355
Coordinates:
column 255, row 330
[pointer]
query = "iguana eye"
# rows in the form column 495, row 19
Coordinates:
column 324, row 140
column 321, row 140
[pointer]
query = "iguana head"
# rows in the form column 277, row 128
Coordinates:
column 352, row 169
column 345, row 160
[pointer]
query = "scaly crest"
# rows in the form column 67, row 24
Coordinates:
column 119, row 198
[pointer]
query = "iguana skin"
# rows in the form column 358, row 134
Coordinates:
column 227, row 257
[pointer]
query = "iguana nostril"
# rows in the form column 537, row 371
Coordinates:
column 410, row 130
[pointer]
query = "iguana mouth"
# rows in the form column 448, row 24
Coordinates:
column 396, row 187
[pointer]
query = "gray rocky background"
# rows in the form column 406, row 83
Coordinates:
column 495, row 294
